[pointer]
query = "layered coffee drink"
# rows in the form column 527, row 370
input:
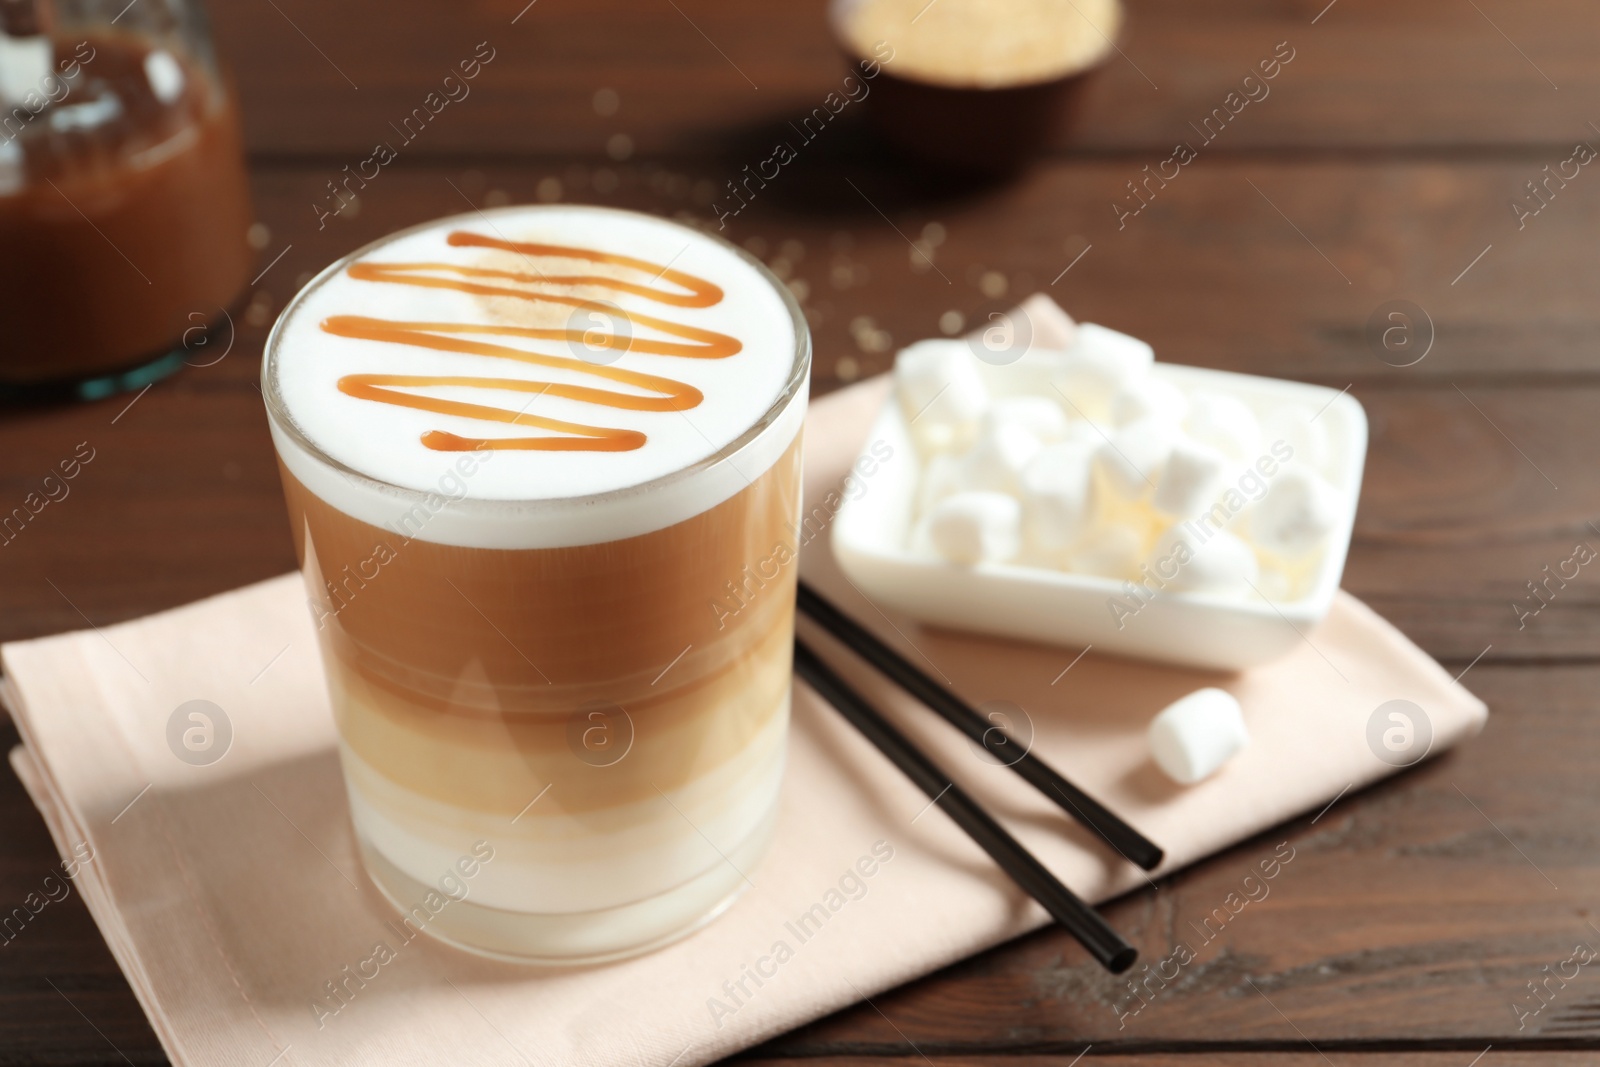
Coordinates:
column 535, row 460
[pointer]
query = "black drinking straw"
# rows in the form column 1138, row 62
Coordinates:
column 1079, row 920
column 1128, row 842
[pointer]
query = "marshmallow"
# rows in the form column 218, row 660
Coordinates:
column 976, row 527
column 1296, row 514
column 1033, row 374
column 1057, row 495
column 1195, row 735
column 1299, row 427
column 1149, row 397
column 941, row 476
column 1039, row 415
column 1194, row 558
column 1275, row 586
column 1037, row 323
column 1110, row 551
column 1109, row 347
column 1225, row 423
column 1132, row 459
column 1084, row 432
column 997, row 460
column 1051, row 326
column 1074, row 455
column 1098, row 366
column 1023, row 354
column 940, row 390
column 1191, row 479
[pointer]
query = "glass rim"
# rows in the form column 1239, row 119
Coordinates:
column 796, row 385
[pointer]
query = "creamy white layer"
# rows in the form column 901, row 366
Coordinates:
column 691, row 461
column 551, row 861
column 578, row 937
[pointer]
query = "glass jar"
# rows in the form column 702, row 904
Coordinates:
column 124, row 206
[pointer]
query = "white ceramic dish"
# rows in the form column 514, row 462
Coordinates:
column 872, row 531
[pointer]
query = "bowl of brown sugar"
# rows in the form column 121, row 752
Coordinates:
column 975, row 85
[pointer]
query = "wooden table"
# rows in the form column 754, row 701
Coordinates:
column 1381, row 167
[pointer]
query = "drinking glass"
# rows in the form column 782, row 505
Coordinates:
column 562, row 721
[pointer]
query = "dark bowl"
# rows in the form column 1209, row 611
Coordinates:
column 979, row 130
column 972, row 130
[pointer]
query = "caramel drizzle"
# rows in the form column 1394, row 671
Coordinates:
column 656, row 393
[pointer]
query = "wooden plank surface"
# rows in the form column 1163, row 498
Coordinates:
column 1426, row 77
column 1381, row 168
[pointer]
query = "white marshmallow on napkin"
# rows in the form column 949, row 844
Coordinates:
column 976, row 527
column 1057, row 495
column 940, row 391
column 1197, row 734
column 1190, row 480
column 1296, row 514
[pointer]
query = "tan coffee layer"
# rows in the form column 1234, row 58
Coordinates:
column 495, row 765
column 982, row 43
column 458, row 672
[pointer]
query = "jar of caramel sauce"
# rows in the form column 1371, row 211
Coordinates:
column 124, row 205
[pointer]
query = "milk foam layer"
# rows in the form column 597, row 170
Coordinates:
column 690, row 460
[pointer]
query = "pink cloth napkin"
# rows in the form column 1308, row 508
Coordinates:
column 231, row 894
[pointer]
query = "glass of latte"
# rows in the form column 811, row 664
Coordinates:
column 542, row 467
